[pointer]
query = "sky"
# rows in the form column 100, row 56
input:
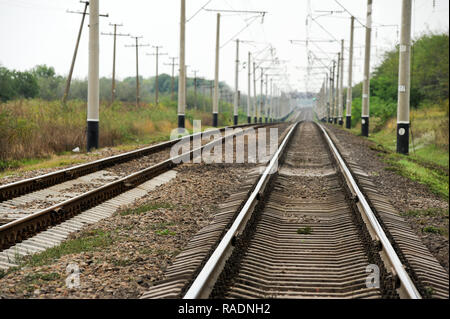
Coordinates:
column 36, row 32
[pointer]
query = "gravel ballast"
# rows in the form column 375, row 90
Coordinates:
column 404, row 194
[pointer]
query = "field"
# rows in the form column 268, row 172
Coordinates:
column 37, row 133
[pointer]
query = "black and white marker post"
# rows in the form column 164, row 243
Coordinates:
column 404, row 80
column 348, row 119
column 366, row 81
column 236, row 92
column 93, row 77
column 182, row 72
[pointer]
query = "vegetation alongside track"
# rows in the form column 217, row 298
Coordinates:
column 39, row 134
column 428, row 162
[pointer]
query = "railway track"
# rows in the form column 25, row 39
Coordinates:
column 307, row 231
column 69, row 203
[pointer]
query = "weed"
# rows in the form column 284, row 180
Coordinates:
column 304, row 231
column 433, row 230
column 165, row 232
column 88, row 241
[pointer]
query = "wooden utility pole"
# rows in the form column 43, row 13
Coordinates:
column 115, row 34
column 157, row 54
column 366, row 80
column 172, row 96
column 69, row 77
column 348, row 120
column 137, row 45
column 404, row 80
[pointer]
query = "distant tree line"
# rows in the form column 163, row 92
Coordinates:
column 42, row 82
column 429, row 78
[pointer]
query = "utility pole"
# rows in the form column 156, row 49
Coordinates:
column 115, row 34
column 336, row 98
column 157, row 54
column 93, row 78
column 172, row 82
column 137, row 45
column 266, row 105
column 195, row 89
column 216, row 76
column 330, row 93
column 255, row 101
column 249, row 118
column 236, row 93
column 261, row 96
column 69, row 77
column 326, row 96
column 182, row 75
column 341, row 86
column 271, row 101
column 366, row 80
column 404, row 80
column 333, row 80
column 348, row 122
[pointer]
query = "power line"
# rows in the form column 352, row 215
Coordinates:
column 350, row 14
column 198, row 11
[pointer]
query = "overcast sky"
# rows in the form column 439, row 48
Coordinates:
column 41, row 32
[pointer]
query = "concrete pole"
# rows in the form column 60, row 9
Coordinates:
column 341, row 87
column 326, row 96
column 266, row 105
column 216, row 76
column 271, row 101
column 404, row 80
column 182, row 75
column 348, row 119
column 195, row 90
column 93, row 77
column 249, row 118
column 336, row 92
column 261, row 96
column 330, row 93
column 255, row 101
column 366, row 80
column 236, row 93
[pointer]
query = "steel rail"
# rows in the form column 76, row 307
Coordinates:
column 203, row 283
column 406, row 283
column 28, row 185
column 21, row 228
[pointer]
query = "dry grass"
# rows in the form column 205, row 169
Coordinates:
column 36, row 129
